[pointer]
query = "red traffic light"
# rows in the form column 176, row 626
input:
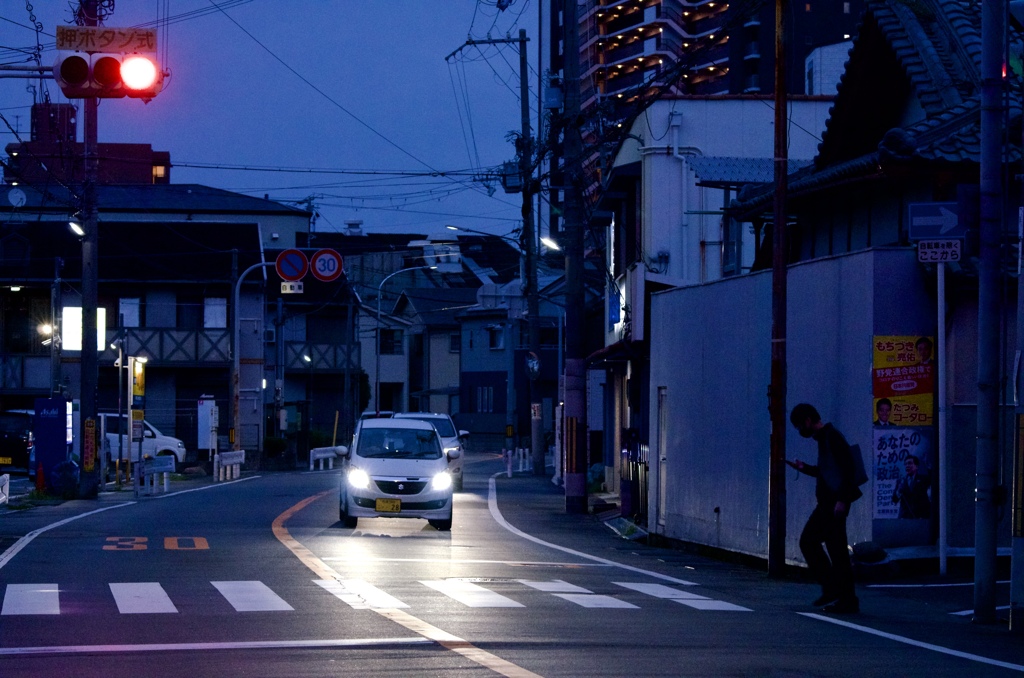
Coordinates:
column 84, row 75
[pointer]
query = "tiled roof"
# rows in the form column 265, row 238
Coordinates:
column 937, row 45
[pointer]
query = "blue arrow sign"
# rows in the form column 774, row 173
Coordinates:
column 935, row 221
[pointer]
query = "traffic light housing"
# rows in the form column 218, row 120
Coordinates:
column 107, row 75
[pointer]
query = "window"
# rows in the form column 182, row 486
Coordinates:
column 484, row 398
column 130, row 312
column 159, row 172
column 455, row 342
column 390, row 342
column 496, row 338
column 215, row 313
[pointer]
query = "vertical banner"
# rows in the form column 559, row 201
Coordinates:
column 903, row 385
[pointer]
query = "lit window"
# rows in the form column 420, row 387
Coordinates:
column 159, row 171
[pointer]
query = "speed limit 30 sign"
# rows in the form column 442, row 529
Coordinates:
column 326, row 265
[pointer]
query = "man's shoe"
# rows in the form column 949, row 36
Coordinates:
column 825, row 599
column 843, row 607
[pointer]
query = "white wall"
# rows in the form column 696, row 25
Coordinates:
column 716, row 338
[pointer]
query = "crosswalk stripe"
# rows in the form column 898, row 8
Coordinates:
column 553, row 586
column 682, row 597
column 596, row 601
column 659, row 590
column 709, row 604
column 471, row 595
column 31, row 599
column 141, row 598
column 360, row 594
column 251, row 596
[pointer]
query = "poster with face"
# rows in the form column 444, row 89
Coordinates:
column 903, row 386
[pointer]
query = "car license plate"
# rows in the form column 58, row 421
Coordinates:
column 7, row 461
column 389, row 505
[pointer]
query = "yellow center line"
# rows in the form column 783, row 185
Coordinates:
column 414, row 624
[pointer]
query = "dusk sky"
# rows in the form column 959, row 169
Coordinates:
column 342, row 85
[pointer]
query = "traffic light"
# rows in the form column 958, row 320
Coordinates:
column 84, row 75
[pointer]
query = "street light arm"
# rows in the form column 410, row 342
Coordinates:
column 380, row 291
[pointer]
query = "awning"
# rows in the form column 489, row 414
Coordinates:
column 619, row 353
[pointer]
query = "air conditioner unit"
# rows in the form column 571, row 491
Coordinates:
column 269, row 336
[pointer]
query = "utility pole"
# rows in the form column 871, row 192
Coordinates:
column 528, row 247
column 575, row 438
column 777, row 388
column 987, row 448
column 88, row 484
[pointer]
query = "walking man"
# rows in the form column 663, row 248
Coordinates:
column 835, row 490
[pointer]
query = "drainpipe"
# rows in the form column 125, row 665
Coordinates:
column 677, row 251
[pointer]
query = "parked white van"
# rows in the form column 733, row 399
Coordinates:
column 154, row 443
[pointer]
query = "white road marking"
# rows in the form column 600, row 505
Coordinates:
column 492, row 505
column 243, row 645
column 470, row 594
column 658, row 590
column 596, row 601
column 682, row 597
column 359, row 594
column 251, row 596
column 968, row 613
column 31, row 599
column 142, row 598
column 553, row 586
column 915, row 643
column 460, row 561
column 715, row 605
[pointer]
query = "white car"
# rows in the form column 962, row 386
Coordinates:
column 396, row 468
column 451, row 439
column 154, row 443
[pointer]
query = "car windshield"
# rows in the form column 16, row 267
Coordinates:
column 398, row 443
column 15, row 423
column 444, row 426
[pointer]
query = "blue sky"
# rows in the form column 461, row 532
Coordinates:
column 353, row 85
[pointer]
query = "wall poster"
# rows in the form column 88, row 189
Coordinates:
column 903, row 386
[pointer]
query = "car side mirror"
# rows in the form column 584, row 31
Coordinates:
column 463, row 434
column 454, row 454
column 148, row 434
column 341, row 451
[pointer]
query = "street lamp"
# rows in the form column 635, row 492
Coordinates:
column 528, row 276
column 380, row 289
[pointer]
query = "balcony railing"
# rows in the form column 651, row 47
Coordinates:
column 169, row 346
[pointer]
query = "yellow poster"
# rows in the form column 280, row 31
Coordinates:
column 903, row 380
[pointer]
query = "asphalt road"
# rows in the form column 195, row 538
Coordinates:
column 257, row 577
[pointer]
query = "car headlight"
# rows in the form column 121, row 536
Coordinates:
column 358, row 478
column 442, row 481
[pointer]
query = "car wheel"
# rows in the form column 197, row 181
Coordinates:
column 344, row 517
column 442, row 525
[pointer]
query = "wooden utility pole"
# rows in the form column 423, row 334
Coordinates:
column 777, row 388
column 575, row 438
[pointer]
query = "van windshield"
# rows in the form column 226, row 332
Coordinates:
column 398, row 443
column 444, row 426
